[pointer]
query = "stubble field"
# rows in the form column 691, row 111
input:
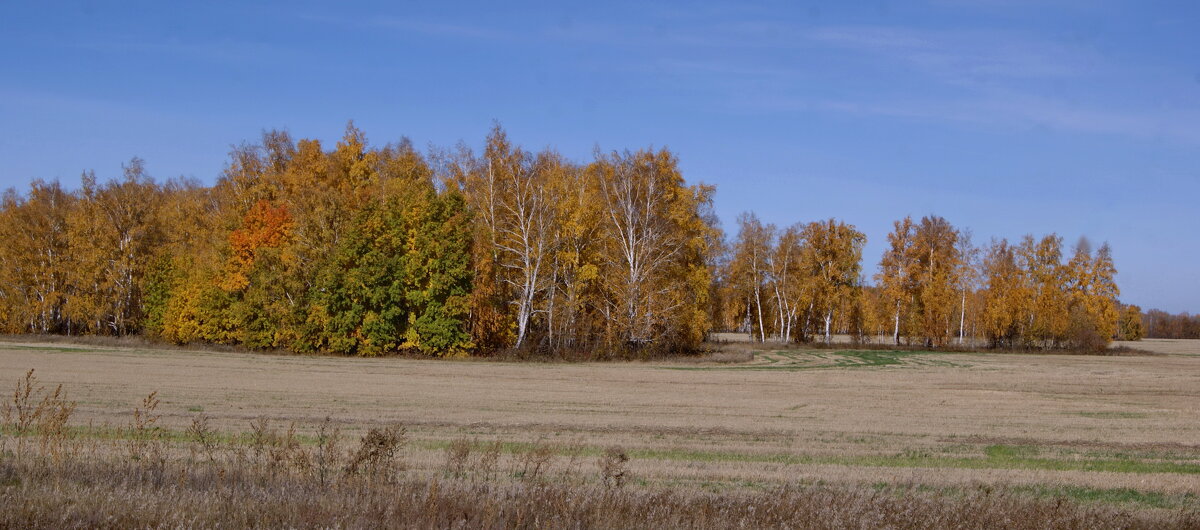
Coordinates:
column 1114, row 430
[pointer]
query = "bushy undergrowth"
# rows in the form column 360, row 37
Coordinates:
column 273, row 477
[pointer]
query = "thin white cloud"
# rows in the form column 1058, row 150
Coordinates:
column 439, row 29
column 433, row 28
column 988, row 77
column 992, row 78
column 1024, row 111
column 962, row 56
column 1080, row 5
column 220, row 51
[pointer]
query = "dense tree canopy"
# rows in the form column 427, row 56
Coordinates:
column 376, row 250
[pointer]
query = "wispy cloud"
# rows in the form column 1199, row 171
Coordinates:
column 979, row 75
column 962, row 56
column 1021, row 112
column 439, row 29
column 1023, row 4
column 220, row 51
column 433, row 28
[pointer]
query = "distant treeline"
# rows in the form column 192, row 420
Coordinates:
column 1163, row 325
column 375, row 250
column 933, row 287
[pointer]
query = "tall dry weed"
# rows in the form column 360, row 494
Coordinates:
column 144, row 434
column 32, row 409
column 458, row 453
column 204, row 436
column 534, row 461
column 54, row 412
column 20, row 413
column 613, row 465
column 378, row 453
column 325, row 458
column 488, row 461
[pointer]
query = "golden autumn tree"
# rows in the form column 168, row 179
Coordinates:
column 36, row 257
column 936, row 261
column 791, row 285
column 832, row 257
column 575, row 266
column 188, row 263
column 1105, row 293
column 11, row 295
column 353, row 171
column 897, row 273
column 489, row 320
column 115, row 231
column 1094, row 293
column 877, row 312
column 655, row 251
column 751, row 265
column 313, row 196
column 1003, row 303
column 1130, row 326
column 518, row 211
column 1046, row 285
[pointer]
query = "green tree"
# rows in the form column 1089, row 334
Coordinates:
column 400, row 279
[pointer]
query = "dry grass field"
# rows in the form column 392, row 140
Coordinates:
column 1119, row 431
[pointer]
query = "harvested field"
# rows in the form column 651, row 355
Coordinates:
column 1164, row 346
column 1121, row 430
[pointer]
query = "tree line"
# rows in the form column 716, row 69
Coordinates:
column 1162, row 325
column 369, row 250
column 934, row 287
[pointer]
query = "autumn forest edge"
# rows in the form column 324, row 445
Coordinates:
column 367, row 250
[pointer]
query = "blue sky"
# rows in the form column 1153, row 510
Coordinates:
column 1004, row 116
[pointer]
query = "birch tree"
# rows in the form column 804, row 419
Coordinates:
column 936, row 278
column 575, row 266
column 788, row 283
column 968, row 277
column 656, row 246
column 524, row 231
column 752, row 263
column 36, row 257
column 1093, row 292
column 1002, row 299
column 833, row 258
column 896, row 271
column 1048, row 311
column 114, row 232
column 509, row 190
